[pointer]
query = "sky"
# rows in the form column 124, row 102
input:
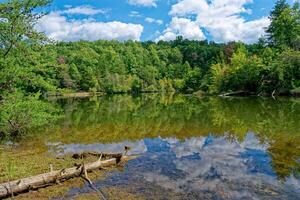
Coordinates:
column 142, row 20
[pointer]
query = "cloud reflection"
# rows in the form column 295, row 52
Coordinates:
column 228, row 169
column 210, row 167
column 136, row 147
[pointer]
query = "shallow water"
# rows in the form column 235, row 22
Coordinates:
column 210, row 148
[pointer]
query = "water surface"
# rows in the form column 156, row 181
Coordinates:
column 210, row 148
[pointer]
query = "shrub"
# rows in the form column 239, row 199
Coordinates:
column 20, row 114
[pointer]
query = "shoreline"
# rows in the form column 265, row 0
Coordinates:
column 198, row 93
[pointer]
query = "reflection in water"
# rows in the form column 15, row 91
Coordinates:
column 136, row 148
column 214, row 165
column 202, row 167
column 244, row 148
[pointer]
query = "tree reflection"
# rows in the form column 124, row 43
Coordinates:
column 116, row 118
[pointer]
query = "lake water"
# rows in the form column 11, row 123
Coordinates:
column 191, row 148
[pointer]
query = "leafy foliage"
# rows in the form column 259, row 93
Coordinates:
column 21, row 77
column 31, row 65
column 20, row 113
column 284, row 29
column 17, row 23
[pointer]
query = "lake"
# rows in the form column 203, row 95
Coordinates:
column 190, row 148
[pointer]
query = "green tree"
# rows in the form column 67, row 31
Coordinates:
column 23, row 75
column 17, row 23
column 284, row 29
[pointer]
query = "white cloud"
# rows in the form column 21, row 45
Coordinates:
column 151, row 20
column 222, row 19
column 238, row 30
column 135, row 14
column 182, row 27
column 84, row 10
column 145, row 3
column 167, row 36
column 59, row 28
column 185, row 7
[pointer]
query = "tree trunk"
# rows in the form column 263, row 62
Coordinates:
column 52, row 177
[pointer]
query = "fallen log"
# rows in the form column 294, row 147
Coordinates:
column 96, row 154
column 103, row 155
column 52, row 177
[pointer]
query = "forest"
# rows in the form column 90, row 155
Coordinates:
column 33, row 67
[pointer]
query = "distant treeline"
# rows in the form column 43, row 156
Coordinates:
column 31, row 65
column 180, row 65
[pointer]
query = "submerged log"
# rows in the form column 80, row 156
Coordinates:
column 96, row 154
column 52, row 177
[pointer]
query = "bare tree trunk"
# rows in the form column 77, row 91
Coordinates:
column 52, row 177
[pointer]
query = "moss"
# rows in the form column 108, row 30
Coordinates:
column 20, row 162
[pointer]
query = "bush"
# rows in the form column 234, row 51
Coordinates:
column 20, row 114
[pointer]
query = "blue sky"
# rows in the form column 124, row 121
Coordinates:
column 121, row 10
column 218, row 20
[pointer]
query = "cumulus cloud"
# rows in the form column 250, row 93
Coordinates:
column 238, row 30
column 152, row 20
column 185, row 7
column 58, row 27
column 84, row 10
column 182, row 27
column 145, row 3
column 222, row 19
